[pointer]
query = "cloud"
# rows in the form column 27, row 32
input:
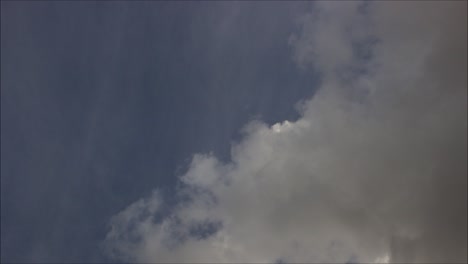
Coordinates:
column 374, row 170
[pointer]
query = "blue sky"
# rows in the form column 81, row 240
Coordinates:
column 101, row 102
column 233, row 131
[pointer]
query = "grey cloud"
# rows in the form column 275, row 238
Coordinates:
column 379, row 179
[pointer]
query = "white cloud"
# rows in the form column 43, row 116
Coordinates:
column 375, row 170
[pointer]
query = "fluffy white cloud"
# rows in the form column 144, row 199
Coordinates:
column 375, row 170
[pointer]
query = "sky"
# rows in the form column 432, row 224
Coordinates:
column 234, row 132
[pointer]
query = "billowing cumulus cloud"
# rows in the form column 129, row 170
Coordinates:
column 374, row 170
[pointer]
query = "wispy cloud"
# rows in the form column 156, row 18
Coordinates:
column 374, row 170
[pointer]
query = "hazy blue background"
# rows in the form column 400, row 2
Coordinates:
column 102, row 102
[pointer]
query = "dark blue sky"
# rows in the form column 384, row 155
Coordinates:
column 101, row 102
